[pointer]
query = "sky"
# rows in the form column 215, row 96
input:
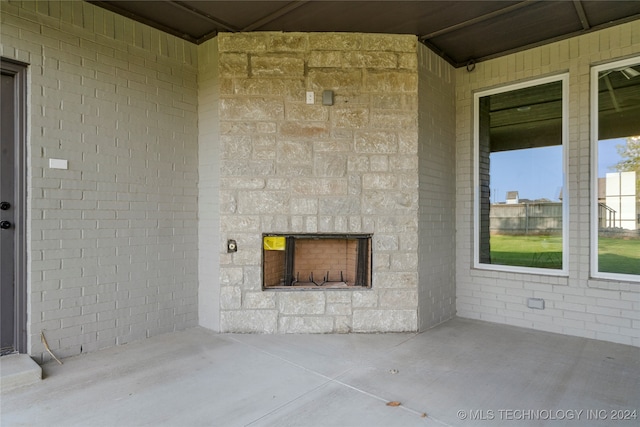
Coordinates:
column 536, row 173
column 608, row 155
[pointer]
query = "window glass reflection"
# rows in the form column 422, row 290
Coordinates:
column 520, row 173
column 618, row 170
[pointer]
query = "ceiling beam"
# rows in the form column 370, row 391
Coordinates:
column 581, row 14
column 203, row 15
column 478, row 19
column 275, row 15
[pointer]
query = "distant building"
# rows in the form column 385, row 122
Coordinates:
column 620, row 196
column 513, row 198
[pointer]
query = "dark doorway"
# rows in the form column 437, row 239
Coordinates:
column 13, row 336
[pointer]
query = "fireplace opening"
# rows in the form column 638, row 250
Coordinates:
column 316, row 261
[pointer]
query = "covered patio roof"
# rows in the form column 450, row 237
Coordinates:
column 462, row 32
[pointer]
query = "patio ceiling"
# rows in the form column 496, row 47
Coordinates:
column 460, row 31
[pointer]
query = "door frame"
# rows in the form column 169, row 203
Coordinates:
column 18, row 70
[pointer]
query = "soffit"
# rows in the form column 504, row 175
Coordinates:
column 459, row 31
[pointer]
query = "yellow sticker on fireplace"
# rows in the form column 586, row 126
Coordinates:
column 274, row 243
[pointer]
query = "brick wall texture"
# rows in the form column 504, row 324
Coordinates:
column 174, row 148
column 113, row 239
column 436, row 218
column 575, row 304
column 210, row 245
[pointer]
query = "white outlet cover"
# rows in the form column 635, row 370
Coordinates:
column 310, row 98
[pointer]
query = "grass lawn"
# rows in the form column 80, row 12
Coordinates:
column 527, row 251
column 619, row 255
column 615, row 255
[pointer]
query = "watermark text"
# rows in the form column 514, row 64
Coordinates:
column 547, row 414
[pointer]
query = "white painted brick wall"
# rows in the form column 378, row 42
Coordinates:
column 210, row 243
column 113, row 239
column 436, row 153
column 575, row 305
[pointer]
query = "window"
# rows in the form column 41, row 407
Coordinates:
column 520, row 205
column 615, row 91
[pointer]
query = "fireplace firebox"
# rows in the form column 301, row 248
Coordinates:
column 316, row 261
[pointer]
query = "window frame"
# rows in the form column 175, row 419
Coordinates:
column 594, row 140
column 564, row 271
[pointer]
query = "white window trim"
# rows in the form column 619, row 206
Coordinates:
column 595, row 273
column 564, row 79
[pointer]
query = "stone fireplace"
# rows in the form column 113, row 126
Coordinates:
column 343, row 178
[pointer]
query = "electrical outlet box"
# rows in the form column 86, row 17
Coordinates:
column 327, row 97
column 58, row 164
column 311, row 98
column 537, row 303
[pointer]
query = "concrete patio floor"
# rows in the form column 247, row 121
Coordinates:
column 461, row 373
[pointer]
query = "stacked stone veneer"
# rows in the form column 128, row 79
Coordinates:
column 290, row 167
